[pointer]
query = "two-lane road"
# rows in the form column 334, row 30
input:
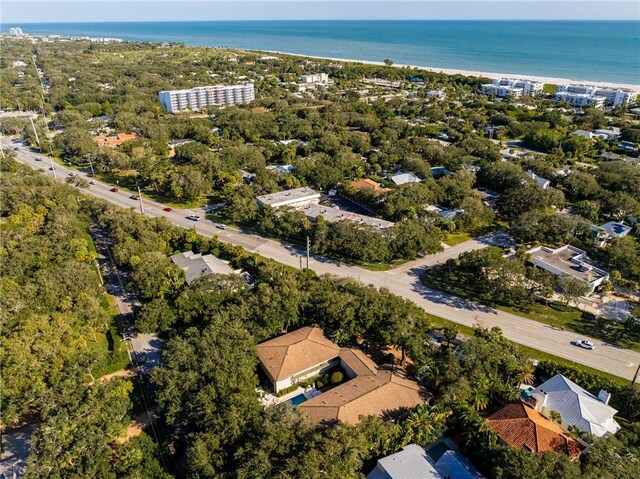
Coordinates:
column 403, row 281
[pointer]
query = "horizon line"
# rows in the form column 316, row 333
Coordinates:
column 584, row 20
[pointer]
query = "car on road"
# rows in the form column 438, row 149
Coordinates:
column 114, row 189
column 221, row 226
column 38, row 158
column 72, row 174
column 167, row 208
column 584, row 344
column 134, row 197
column 194, row 218
column 16, row 148
column 92, row 182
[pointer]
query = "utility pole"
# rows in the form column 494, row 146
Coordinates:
column 308, row 250
column 300, row 263
column 635, row 376
column 140, row 199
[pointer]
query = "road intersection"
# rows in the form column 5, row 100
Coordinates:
column 403, row 281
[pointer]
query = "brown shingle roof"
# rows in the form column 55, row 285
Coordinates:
column 386, row 394
column 290, row 353
column 521, row 426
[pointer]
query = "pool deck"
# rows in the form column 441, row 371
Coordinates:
column 269, row 399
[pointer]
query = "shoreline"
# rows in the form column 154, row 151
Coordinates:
column 469, row 73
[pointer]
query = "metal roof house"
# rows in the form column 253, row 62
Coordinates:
column 542, row 182
column 196, row 266
column 576, row 406
column 402, row 178
column 410, row 463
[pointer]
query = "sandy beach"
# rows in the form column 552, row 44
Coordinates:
column 450, row 71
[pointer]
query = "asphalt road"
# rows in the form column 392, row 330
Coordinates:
column 403, row 281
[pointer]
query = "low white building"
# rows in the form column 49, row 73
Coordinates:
column 608, row 134
column 569, row 261
column 583, row 133
column 315, row 78
column 296, row 198
column 576, row 406
column 580, row 99
column 612, row 229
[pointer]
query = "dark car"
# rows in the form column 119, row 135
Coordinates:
column 167, row 208
column 114, row 189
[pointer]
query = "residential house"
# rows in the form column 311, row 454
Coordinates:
column 281, row 169
column 439, row 171
column 489, row 198
column 521, row 426
column 576, row 406
column 197, row 266
column 410, row 463
column 403, row 178
column 443, row 212
column 568, row 260
column 369, row 186
column 543, row 182
column 609, row 134
column 612, row 229
column 583, row 133
column 370, row 390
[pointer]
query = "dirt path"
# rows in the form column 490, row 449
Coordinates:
column 137, row 426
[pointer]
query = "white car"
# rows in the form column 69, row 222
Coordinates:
column 193, row 218
column 38, row 158
column 583, row 343
column 221, row 226
column 92, row 182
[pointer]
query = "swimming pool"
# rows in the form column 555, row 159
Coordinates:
column 299, row 399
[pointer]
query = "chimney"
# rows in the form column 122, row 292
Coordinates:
column 604, row 396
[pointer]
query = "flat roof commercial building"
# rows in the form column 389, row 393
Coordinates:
column 333, row 215
column 195, row 99
column 296, row 197
column 570, row 261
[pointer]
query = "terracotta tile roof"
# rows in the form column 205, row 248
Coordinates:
column 293, row 352
column 521, row 426
column 369, row 185
column 386, row 394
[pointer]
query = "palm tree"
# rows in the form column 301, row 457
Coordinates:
column 426, row 423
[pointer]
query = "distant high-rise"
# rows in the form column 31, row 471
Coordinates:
column 197, row 98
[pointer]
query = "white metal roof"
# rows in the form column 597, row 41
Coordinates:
column 578, row 407
column 410, row 463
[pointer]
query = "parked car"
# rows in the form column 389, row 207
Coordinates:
column 221, row 226
column 167, row 208
column 193, row 218
column 114, row 189
column 583, row 343
column 134, row 197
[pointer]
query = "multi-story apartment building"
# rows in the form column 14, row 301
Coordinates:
column 512, row 87
column 315, row 78
column 580, row 99
column 197, row 98
column 612, row 96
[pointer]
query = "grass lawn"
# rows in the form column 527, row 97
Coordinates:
column 553, row 314
column 462, row 236
column 108, row 343
column 531, row 352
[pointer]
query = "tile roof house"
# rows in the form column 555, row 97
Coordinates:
column 371, row 390
column 410, row 463
column 196, row 266
column 521, row 426
column 576, row 406
column 369, row 185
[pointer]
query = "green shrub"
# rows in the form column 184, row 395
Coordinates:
column 319, row 384
column 337, row 377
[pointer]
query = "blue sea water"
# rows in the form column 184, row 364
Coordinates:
column 579, row 50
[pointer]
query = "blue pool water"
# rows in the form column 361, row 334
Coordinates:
column 299, row 399
column 580, row 50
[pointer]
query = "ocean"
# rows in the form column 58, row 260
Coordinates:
column 607, row 51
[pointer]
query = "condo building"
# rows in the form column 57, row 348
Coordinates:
column 586, row 95
column 511, row 88
column 197, row 98
column 315, row 78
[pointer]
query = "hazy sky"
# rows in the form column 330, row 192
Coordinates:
column 29, row 11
